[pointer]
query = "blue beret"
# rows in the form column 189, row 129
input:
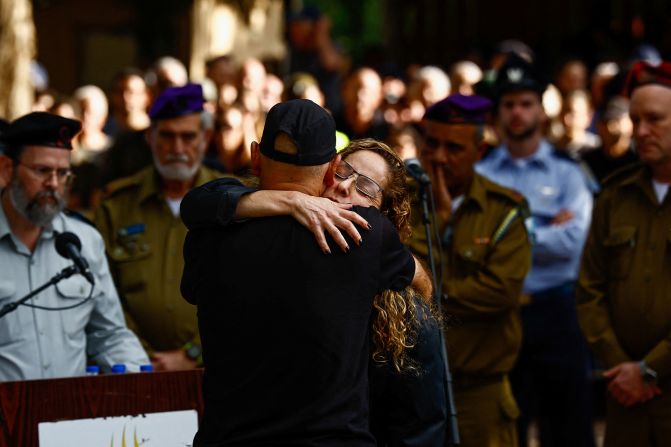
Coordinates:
column 459, row 109
column 174, row 102
column 40, row 129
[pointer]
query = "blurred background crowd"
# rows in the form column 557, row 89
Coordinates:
column 375, row 86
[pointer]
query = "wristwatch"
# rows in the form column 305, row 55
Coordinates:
column 193, row 351
column 648, row 374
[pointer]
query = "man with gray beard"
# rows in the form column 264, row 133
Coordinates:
column 139, row 220
column 37, row 343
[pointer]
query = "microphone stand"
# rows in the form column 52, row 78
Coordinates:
column 451, row 407
column 65, row 273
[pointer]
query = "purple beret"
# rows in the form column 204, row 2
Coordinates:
column 174, row 102
column 459, row 109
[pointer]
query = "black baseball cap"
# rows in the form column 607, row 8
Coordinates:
column 310, row 127
column 516, row 75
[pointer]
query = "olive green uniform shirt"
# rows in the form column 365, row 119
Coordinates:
column 482, row 276
column 144, row 243
column 624, row 287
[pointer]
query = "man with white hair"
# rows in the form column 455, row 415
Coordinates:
column 93, row 105
column 429, row 85
column 91, row 144
column 139, row 220
column 168, row 72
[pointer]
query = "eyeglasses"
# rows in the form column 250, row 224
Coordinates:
column 44, row 173
column 365, row 185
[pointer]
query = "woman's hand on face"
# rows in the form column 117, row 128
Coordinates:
column 321, row 216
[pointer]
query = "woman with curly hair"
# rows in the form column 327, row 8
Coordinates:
column 407, row 378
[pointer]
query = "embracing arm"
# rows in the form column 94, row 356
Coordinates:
column 422, row 282
column 219, row 202
column 213, row 204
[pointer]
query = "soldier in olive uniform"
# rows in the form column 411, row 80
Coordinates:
column 624, row 293
column 139, row 220
column 487, row 254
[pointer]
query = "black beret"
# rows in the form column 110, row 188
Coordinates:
column 40, row 129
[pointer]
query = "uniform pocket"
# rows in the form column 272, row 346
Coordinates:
column 620, row 246
column 471, row 258
column 130, row 267
column 71, row 291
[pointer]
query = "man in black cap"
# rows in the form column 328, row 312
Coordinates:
column 39, row 344
column 139, row 220
column 551, row 376
column 487, row 254
column 285, row 326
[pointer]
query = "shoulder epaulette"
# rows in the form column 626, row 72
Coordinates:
column 622, row 173
column 120, row 184
column 78, row 216
column 500, row 190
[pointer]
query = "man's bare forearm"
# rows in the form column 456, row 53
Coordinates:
column 265, row 203
column 422, row 282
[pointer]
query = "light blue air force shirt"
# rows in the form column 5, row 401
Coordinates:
column 40, row 344
column 550, row 183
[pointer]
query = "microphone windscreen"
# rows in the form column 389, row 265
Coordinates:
column 62, row 241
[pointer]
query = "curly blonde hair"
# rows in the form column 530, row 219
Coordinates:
column 395, row 199
column 395, row 320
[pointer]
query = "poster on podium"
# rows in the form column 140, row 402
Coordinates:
column 168, row 429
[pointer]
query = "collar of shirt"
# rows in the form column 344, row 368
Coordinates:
column 47, row 232
column 641, row 178
column 540, row 158
column 149, row 184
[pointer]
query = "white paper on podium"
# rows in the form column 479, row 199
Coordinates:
column 169, row 429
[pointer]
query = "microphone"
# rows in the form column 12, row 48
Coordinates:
column 414, row 169
column 68, row 245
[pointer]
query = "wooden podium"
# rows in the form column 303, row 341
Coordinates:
column 25, row 404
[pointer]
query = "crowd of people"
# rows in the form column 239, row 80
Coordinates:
column 551, row 239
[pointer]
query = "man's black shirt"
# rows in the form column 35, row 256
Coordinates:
column 285, row 329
